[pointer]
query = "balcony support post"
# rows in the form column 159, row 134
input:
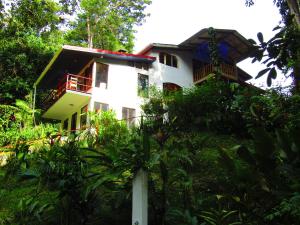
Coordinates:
column 235, row 70
column 67, row 84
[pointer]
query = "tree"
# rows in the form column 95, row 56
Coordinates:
column 107, row 24
column 283, row 50
column 29, row 36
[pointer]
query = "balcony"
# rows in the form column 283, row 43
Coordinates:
column 227, row 71
column 72, row 92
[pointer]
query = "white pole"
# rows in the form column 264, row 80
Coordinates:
column 33, row 104
column 140, row 198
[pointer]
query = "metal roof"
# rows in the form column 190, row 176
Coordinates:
column 240, row 46
column 158, row 45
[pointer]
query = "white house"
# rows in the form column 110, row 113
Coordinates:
column 79, row 79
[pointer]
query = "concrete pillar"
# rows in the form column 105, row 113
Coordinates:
column 140, row 198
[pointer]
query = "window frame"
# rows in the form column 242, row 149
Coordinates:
column 130, row 116
column 101, row 104
column 165, row 57
column 83, row 117
column 143, row 91
column 98, row 79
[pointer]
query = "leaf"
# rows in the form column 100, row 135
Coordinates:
column 262, row 72
column 219, row 196
column 269, row 81
column 253, row 60
column 236, row 198
column 228, row 214
column 276, row 28
column 271, row 63
column 252, row 110
column 273, row 73
column 260, row 37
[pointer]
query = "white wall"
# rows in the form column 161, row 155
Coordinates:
column 122, row 82
column 181, row 75
column 121, row 87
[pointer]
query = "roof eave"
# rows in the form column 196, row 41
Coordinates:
column 48, row 67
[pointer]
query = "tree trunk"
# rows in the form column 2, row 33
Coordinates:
column 296, row 76
column 89, row 33
column 294, row 9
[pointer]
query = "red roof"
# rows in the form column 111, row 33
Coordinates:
column 95, row 50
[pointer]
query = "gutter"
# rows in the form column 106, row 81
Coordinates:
column 127, row 57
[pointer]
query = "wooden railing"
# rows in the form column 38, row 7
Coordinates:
column 226, row 70
column 68, row 82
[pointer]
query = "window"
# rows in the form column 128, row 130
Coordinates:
column 73, row 122
column 143, row 85
column 101, row 75
column 128, row 115
column 143, row 66
column 167, row 59
column 100, row 107
column 65, row 124
column 83, row 116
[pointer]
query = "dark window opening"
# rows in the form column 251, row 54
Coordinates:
column 101, row 75
column 143, row 85
column 73, row 122
column 162, row 58
column 65, row 124
column 167, row 59
column 174, row 62
column 139, row 65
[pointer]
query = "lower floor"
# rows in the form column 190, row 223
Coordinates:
column 78, row 118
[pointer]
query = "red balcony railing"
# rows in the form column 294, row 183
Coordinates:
column 68, row 82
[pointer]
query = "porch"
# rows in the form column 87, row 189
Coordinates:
column 228, row 71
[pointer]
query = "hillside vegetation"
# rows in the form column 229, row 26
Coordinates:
column 220, row 153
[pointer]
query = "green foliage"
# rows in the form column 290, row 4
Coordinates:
column 256, row 170
column 23, row 57
column 219, row 217
column 16, row 124
column 282, row 51
column 107, row 24
column 287, row 208
column 244, row 150
column 28, row 211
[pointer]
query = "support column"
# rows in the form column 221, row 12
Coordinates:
column 140, row 198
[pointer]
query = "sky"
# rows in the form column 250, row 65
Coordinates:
column 173, row 21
